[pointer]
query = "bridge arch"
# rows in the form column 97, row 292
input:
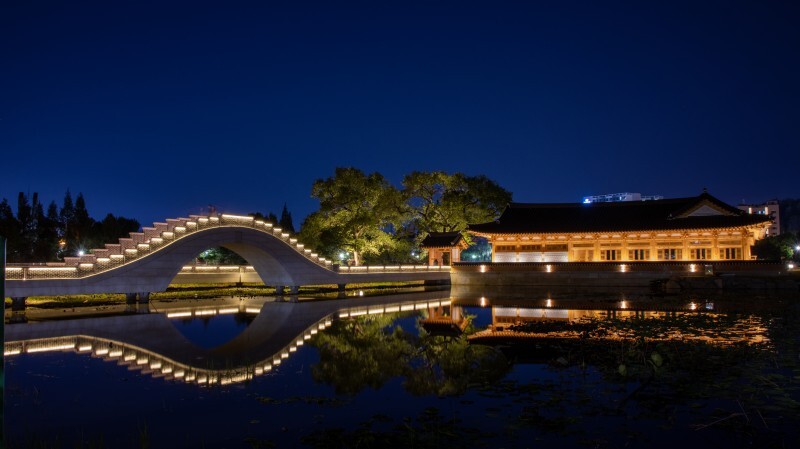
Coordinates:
column 148, row 261
column 275, row 261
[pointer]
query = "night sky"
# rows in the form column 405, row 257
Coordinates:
column 156, row 110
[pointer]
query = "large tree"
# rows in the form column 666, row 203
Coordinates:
column 447, row 203
column 356, row 213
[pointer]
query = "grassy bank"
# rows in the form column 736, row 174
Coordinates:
column 204, row 291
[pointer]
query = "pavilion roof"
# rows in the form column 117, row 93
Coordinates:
column 699, row 212
column 442, row 240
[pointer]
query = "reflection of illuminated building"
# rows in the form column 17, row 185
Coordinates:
column 444, row 320
column 520, row 323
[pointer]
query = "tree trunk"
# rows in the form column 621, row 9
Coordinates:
column 356, row 259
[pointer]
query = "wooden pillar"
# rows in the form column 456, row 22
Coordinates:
column 746, row 246
column 624, row 255
column 653, row 248
column 715, row 246
column 685, row 245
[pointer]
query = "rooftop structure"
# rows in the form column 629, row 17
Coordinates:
column 693, row 228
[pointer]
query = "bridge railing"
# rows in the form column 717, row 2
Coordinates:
column 391, row 268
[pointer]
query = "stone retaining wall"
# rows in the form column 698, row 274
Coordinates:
column 658, row 275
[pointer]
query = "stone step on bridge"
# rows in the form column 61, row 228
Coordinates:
column 148, row 261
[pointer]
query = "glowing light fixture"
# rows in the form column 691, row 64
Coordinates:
column 51, row 348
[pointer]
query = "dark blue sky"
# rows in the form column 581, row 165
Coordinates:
column 154, row 110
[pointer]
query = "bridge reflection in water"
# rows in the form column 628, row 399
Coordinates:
column 151, row 344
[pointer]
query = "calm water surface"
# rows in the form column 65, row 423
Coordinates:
column 435, row 369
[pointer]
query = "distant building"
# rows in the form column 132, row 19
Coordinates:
column 770, row 209
column 619, row 197
column 689, row 229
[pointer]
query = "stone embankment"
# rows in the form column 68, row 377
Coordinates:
column 729, row 282
column 670, row 276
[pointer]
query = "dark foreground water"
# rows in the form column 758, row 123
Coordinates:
column 424, row 370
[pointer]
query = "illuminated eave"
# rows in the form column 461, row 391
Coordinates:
column 745, row 228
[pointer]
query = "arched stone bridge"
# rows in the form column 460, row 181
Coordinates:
column 148, row 261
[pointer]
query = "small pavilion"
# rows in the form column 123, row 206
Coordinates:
column 443, row 248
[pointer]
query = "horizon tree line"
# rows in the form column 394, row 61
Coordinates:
column 36, row 236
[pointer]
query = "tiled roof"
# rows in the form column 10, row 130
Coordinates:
column 667, row 214
column 441, row 240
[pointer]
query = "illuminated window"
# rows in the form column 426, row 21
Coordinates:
column 610, row 254
column 505, row 248
column 639, row 254
column 730, row 253
column 670, row 254
column 700, row 253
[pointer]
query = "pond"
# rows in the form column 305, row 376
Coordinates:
column 423, row 369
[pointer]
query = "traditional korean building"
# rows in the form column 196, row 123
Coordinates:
column 443, row 248
column 690, row 229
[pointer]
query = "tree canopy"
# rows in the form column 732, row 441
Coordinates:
column 364, row 215
column 443, row 202
column 356, row 212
